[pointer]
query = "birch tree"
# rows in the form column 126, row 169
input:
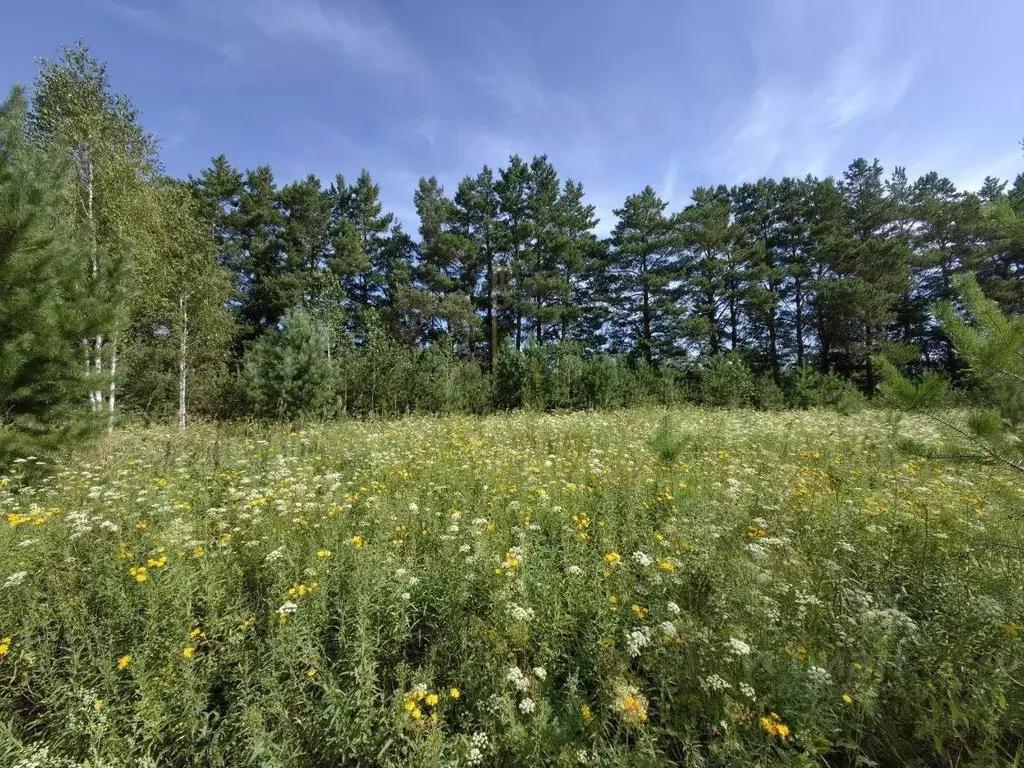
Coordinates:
column 74, row 111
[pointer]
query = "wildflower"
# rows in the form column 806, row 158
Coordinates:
column 124, row 661
column 819, row 676
column 323, row 553
column 197, row 633
column 288, row 607
column 474, row 756
column 738, row 647
column 417, row 713
column 630, row 705
column 585, row 712
column 773, row 726
column 358, row 542
column 138, row 573
column 432, row 699
column 99, row 704
column 1011, row 628
column 667, row 565
column 198, row 552
column 612, row 559
column 454, row 692
column 668, row 630
column 157, row 562
column 748, row 690
column 642, row 559
column 847, row 699
column 311, row 673
column 637, row 640
column 188, row 651
column 15, row 579
column 673, row 608
column 518, row 679
column 714, row 683
column 5, row 646
column 540, row 673
column 526, row 706
column 142, row 525
column 574, row 570
column 639, row 611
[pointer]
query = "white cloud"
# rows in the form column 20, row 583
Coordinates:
column 365, row 37
column 794, row 126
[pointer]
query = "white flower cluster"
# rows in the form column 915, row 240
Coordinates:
column 756, row 551
column 526, row 706
column 540, row 673
column 748, row 690
column 642, row 559
column 519, row 681
column 519, row 613
column 15, row 579
column 637, row 640
column 819, row 676
column 668, row 629
column 574, row 570
column 274, row 556
column 714, row 683
column 288, row 607
column 673, row 608
column 738, row 647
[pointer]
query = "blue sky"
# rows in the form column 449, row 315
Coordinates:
column 619, row 94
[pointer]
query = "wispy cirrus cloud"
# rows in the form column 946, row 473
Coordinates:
column 795, row 123
column 358, row 33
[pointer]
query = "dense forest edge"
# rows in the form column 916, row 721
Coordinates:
column 130, row 295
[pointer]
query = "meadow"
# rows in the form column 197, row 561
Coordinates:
column 738, row 589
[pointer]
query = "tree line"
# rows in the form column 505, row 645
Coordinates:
column 229, row 293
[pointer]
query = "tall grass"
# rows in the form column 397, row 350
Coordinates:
column 517, row 590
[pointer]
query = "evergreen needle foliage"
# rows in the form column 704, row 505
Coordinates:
column 46, row 310
column 991, row 347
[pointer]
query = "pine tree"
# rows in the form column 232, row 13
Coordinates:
column 713, row 273
column 445, row 273
column 514, row 232
column 476, row 217
column 991, row 348
column 287, row 374
column 643, row 260
column 48, row 306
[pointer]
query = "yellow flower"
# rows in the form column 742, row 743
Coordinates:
column 5, row 646
column 188, row 652
column 454, row 693
column 311, row 673
column 612, row 559
column 847, row 699
column 1011, row 628
column 99, row 704
column 585, row 712
column 432, row 699
column 774, row 726
column 141, row 525
column 157, row 562
column 197, row 632
column 198, row 552
column 639, row 610
column 323, row 553
column 417, row 713
column 409, row 705
column 138, row 573
column 124, row 661
column 358, row 542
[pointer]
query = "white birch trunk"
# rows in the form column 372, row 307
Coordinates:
column 113, row 384
column 183, row 365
